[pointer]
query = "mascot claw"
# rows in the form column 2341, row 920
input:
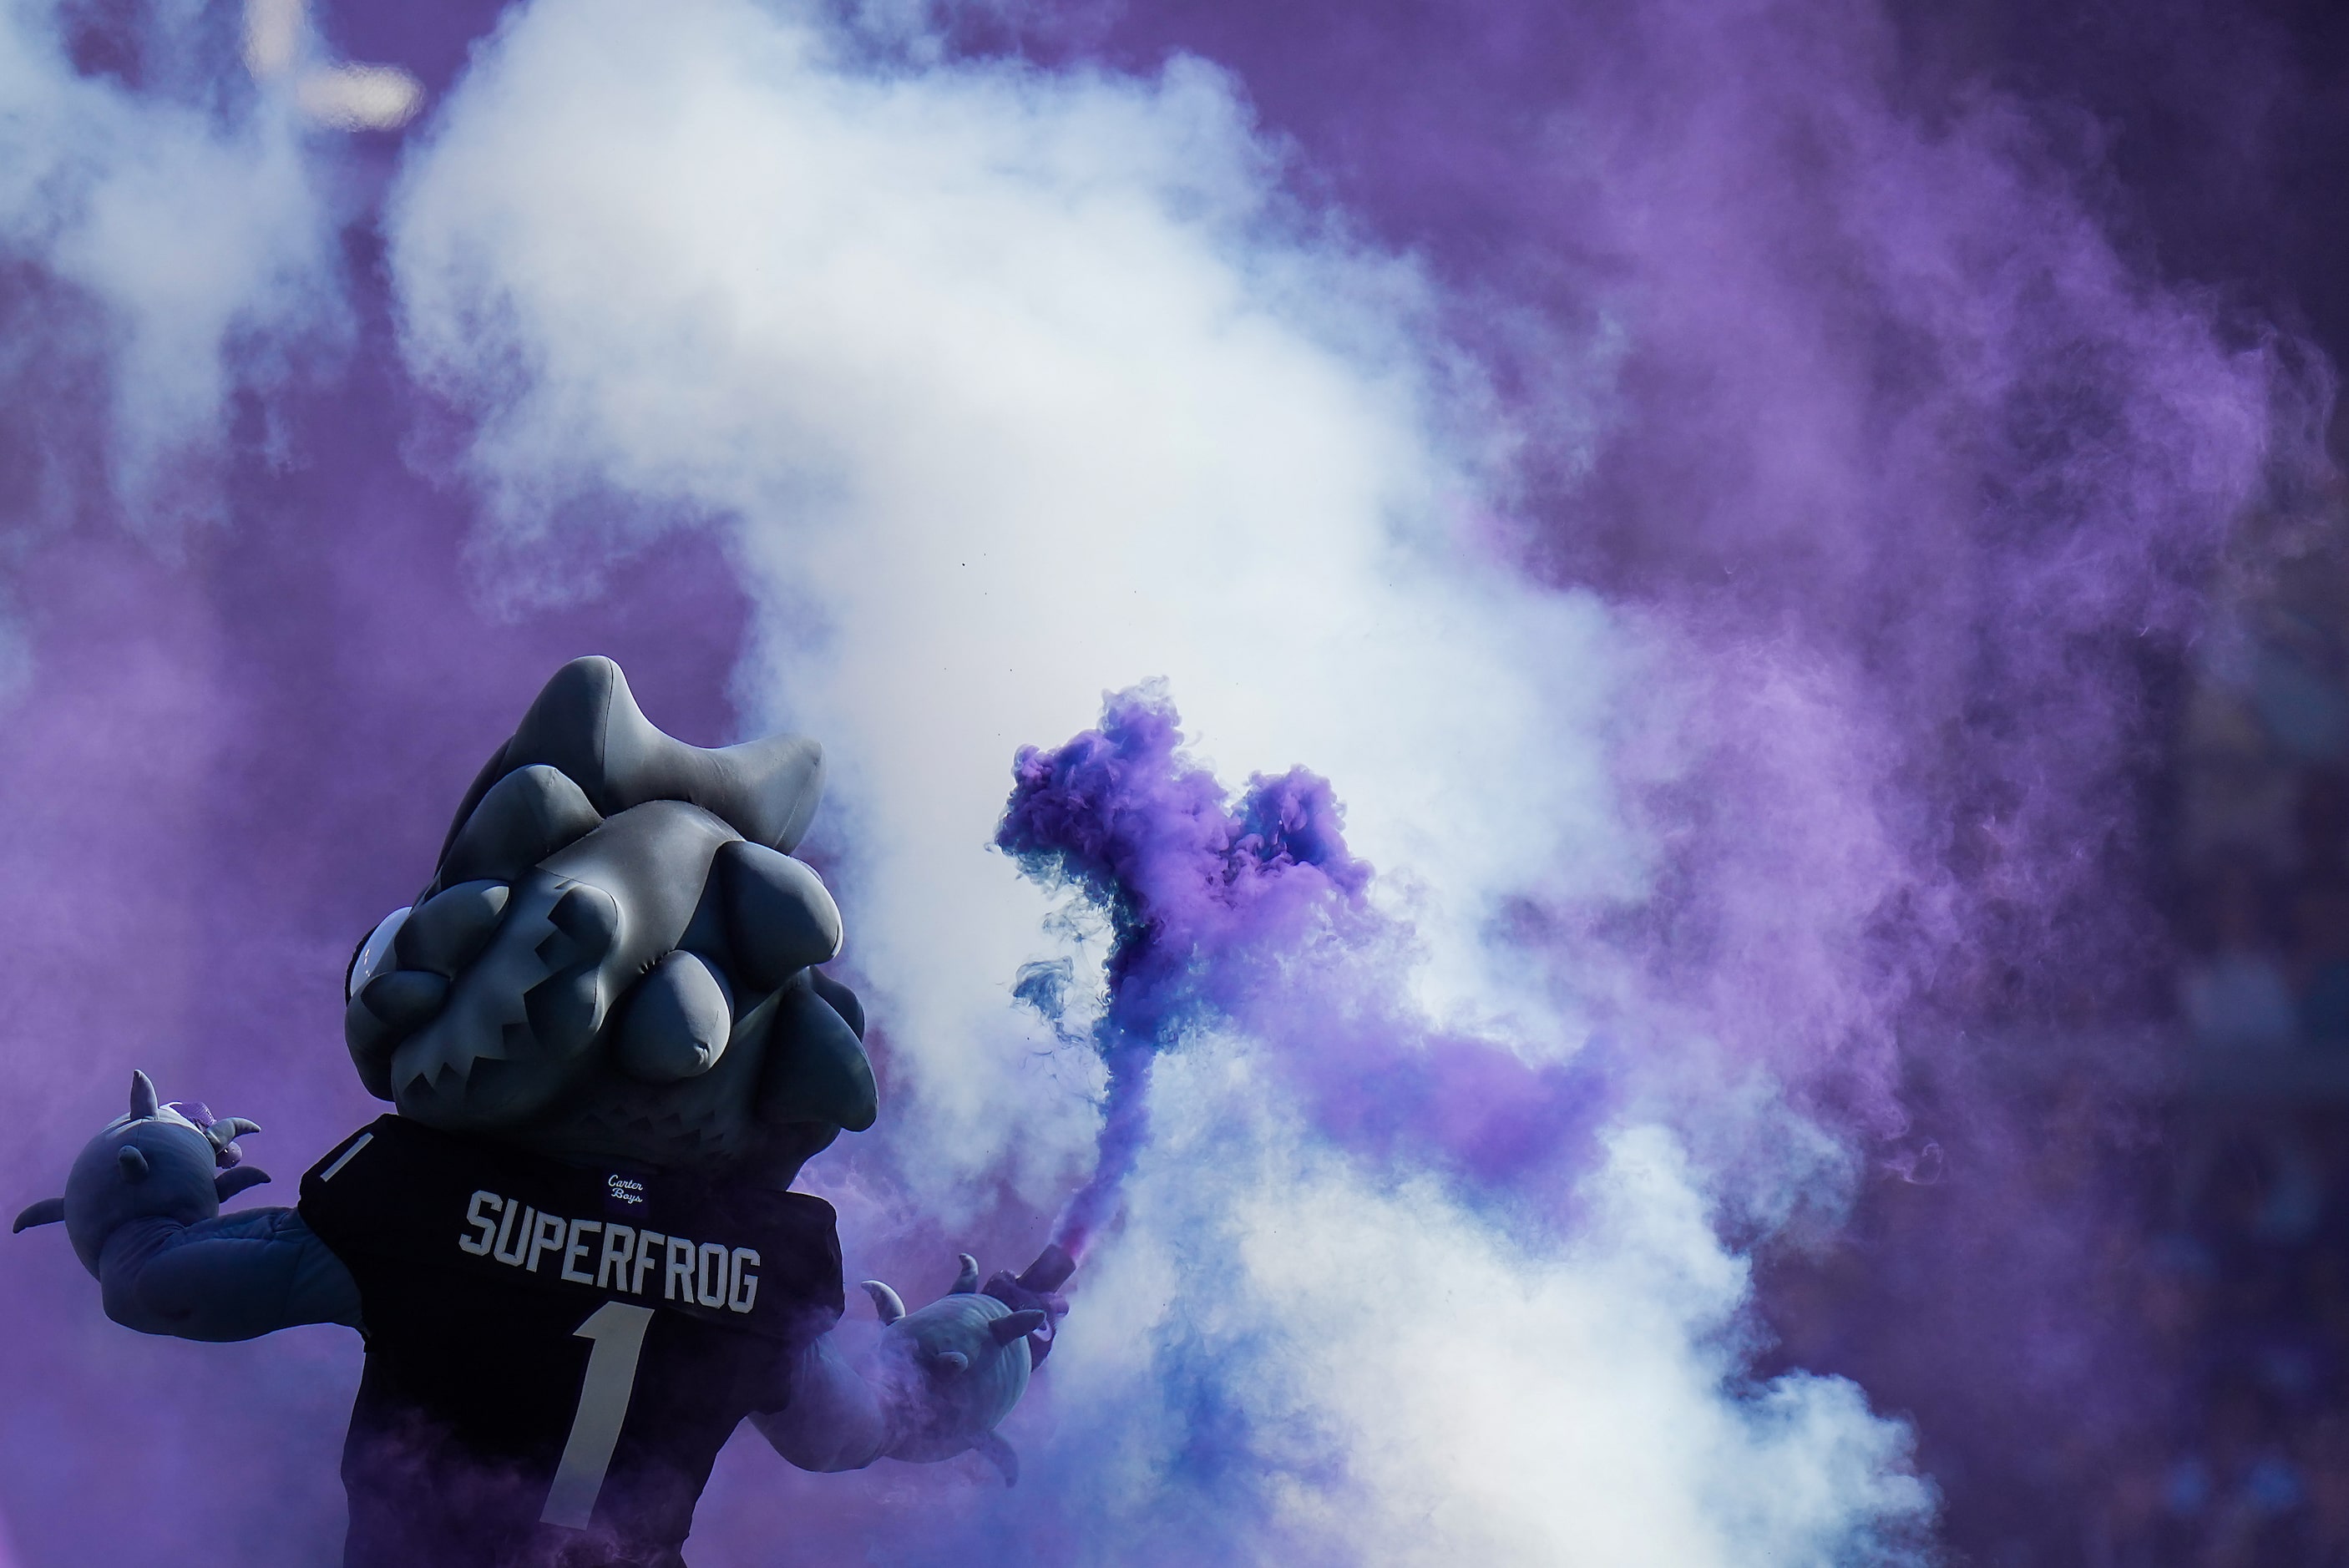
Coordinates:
column 968, row 1357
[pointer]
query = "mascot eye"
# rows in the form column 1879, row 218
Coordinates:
column 374, row 955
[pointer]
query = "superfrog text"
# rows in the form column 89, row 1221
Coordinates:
column 704, row 1274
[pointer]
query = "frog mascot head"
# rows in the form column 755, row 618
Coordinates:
column 615, row 958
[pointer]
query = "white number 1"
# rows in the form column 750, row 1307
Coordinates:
column 618, row 1331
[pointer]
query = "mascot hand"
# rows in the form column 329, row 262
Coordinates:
column 954, row 1369
column 174, row 1161
column 1038, row 1287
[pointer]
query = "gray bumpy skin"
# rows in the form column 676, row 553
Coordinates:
column 616, row 958
column 615, row 955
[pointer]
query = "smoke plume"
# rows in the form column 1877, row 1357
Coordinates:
column 1713, row 511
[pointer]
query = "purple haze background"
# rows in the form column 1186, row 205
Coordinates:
column 1913, row 434
column 1908, row 442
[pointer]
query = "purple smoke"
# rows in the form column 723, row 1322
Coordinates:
column 1905, row 445
column 1251, row 914
column 1202, row 896
column 1920, row 467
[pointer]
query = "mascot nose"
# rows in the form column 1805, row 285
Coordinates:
column 677, row 1022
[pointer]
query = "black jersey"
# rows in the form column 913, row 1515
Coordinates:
column 555, row 1353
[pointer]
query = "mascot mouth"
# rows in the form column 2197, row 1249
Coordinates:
column 512, row 1029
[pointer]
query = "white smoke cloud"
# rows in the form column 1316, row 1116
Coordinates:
column 1020, row 394
column 182, row 238
column 1017, row 385
column 1421, row 1386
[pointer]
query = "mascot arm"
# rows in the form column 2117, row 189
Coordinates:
column 835, row 1420
column 937, row 1385
column 142, row 1208
column 236, row 1277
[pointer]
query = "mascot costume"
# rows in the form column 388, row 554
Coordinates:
column 571, row 1248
